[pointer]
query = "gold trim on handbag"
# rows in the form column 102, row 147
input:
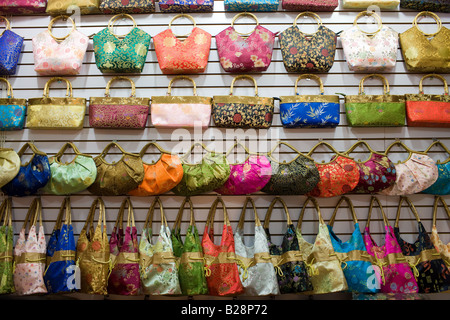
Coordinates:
column 117, row 17
column 63, row 17
column 10, row 95
column 310, row 98
column 168, row 98
column 244, row 14
column 243, row 99
column 182, row 15
column 361, row 97
column 131, row 100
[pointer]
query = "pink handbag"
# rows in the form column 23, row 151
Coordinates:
column 119, row 112
column 22, row 7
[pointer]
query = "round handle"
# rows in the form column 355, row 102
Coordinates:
column 47, row 86
column 244, row 14
column 63, row 17
column 430, row 14
column 309, row 14
column 117, row 17
column 244, row 76
column 368, row 14
column 431, row 76
column 169, row 88
column 310, row 76
column 9, row 90
column 383, row 79
column 8, row 25
column 182, row 15
column 108, row 86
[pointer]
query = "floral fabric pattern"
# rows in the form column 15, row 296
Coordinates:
column 12, row 116
column 432, row 113
column 186, row 5
column 310, row 114
column 442, row 185
column 58, row 7
column 10, row 49
column 375, row 174
column 127, row 6
column 179, row 114
column 251, row 5
column 242, row 115
column 118, row 116
column 22, row 7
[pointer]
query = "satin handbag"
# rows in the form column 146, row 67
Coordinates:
column 9, row 165
column 309, row 5
column 442, row 185
column 119, row 112
column 121, row 53
column 441, row 247
column 251, row 5
column 428, row 110
column 310, row 111
column 117, row 178
column 384, row 110
column 364, row 4
column 181, row 111
column 186, row 5
column 55, row 112
column 128, row 6
column 32, row 176
column 426, row 5
column 305, row 53
column 243, row 111
column 6, row 249
column 12, row 110
column 56, row 7
column 10, row 49
column 22, row 7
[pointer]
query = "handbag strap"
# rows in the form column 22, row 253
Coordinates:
column 351, row 207
column 324, row 143
column 73, row 147
column 32, row 147
column 192, row 148
column 280, row 143
column 169, row 88
column 411, row 206
column 439, row 143
column 9, row 90
column 113, row 144
column 7, row 23
column 368, row 14
column 156, row 145
column 374, row 199
column 6, row 212
column 243, row 76
column 108, row 86
column 149, row 220
column 117, row 17
column 241, row 14
column 182, row 15
column 130, row 216
column 447, row 210
column 432, row 15
column 432, row 76
column 34, row 211
column 302, row 212
column 64, row 210
column 54, row 79
column 310, row 76
column 244, row 209
column 269, row 212
column 401, row 144
column 386, row 89
column 308, row 14
column 212, row 213
column 61, row 17
column 177, row 224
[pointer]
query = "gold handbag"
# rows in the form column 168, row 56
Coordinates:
column 57, row 7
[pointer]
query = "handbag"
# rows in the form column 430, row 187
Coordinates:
column 309, row 5
column 208, row 175
column 222, row 275
column 424, row 55
column 293, row 274
column 55, row 112
column 189, row 254
column 6, row 249
column 29, row 253
column 159, row 273
column 363, row 4
column 384, row 110
column 32, row 176
column 22, row 7
column 429, row 269
column 61, row 247
column 57, row 7
column 413, row 175
column 61, row 56
column 117, row 178
column 160, row 176
column 10, row 49
column 130, row 6
column 310, row 111
column 113, row 52
column 370, row 51
column 392, row 272
column 296, row 177
column 256, row 271
column 251, row 5
column 356, row 263
column 337, row 177
column 73, row 176
column 124, row 278
column 305, row 53
column 442, row 185
column 9, row 165
column 440, row 246
column 376, row 173
column 12, row 110
column 189, row 56
column 245, row 52
column 186, row 5
column 426, row 5
column 121, row 112
column 93, row 255
column 428, row 110
column 243, row 111
column 181, row 111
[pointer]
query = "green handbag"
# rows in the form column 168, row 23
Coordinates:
column 384, row 110
column 6, row 248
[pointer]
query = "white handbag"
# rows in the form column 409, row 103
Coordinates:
column 363, row 4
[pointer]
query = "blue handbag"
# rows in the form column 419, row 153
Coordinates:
column 32, row 176
column 10, row 49
column 184, row 6
column 12, row 111
column 442, row 185
column 251, row 5
column 310, row 111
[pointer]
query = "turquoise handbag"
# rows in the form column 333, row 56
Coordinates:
column 251, row 5
column 12, row 111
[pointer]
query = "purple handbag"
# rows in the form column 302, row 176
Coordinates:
column 22, row 7
column 10, row 49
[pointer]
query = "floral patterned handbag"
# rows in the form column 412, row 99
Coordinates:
column 426, row 5
column 57, row 7
column 9, row 165
column 112, row 52
column 375, row 110
column 303, row 52
column 122, row 112
column 22, row 7
column 310, row 111
column 309, row 5
column 128, row 6
column 186, row 5
column 55, row 112
column 6, row 248
column 441, row 247
column 428, row 110
column 243, row 111
column 442, row 185
column 181, row 111
column 251, row 5
column 363, row 4
column 10, row 49
column 12, row 110
column 245, row 52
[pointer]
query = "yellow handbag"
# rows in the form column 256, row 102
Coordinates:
column 57, row 7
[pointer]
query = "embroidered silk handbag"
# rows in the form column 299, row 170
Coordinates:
column 160, row 176
column 256, row 270
column 61, row 247
column 442, row 185
column 375, row 110
column 355, row 261
column 121, row 53
column 129, row 6
column 11, row 46
column 413, row 175
column 298, row 176
column 251, row 5
column 124, row 278
column 9, row 165
column 441, row 247
column 22, row 7
column 392, row 272
column 310, row 111
column 245, row 52
column 159, row 272
column 370, row 51
column 187, row 57
column 430, row 271
column 6, row 248
column 121, row 112
column 56, row 7
column 426, row 5
column 181, row 111
column 55, row 112
column 291, row 269
column 189, row 254
column 32, row 176
column 428, row 110
column 376, row 173
column 222, row 275
column 70, row 177
column 117, row 178
column 303, row 52
column 337, row 177
column 12, row 110
column 247, row 177
column 363, row 4
column 208, row 175
column 422, row 54
column 29, row 253
column 93, row 255
column 243, row 111
column 186, row 5
column 309, row 5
